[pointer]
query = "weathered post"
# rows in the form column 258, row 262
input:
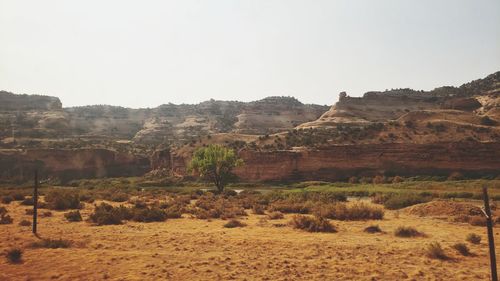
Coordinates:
column 491, row 242
column 35, row 202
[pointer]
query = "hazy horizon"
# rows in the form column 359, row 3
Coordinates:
column 144, row 54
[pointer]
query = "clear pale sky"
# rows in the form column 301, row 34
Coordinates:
column 146, row 53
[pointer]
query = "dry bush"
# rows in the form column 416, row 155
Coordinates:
column 4, row 218
column 462, row 249
column 258, row 209
column 234, row 223
column 29, row 212
column 404, row 231
column 397, row 179
column 118, row 197
column 355, row 211
column 312, row 224
column 51, row 243
column 46, row 214
column 18, row 196
column 379, row 180
column 14, row 255
column 373, row 229
column 73, row 216
column 435, row 251
column 473, row 238
column 399, row 201
column 28, row 201
column 477, row 220
column 105, row 214
column 63, row 200
column 149, row 215
column 7, row 199
column 210, row 206
column 275, row 215
column 25, row 223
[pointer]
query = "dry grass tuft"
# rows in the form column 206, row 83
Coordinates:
column 373, row 229
column 234, row 223
column 14, row 255
column 355, row 211
column 435, row 251
column 405, row 231
column 462, row 249
column 473, row 238
column 312, row 224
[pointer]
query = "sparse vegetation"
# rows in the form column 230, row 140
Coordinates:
column 234, row 223
column 4, row 217
column 473, row 238
column 51, row 243
column 373, row 229
column 73, row 216
column 435, row 251
column 312, row 224
column 275, row 215
column 354, row 211
column 63, row 200
column 404, row 231
column 14, row 255
column 399, row 201
column 25, row 223
column 462, row 249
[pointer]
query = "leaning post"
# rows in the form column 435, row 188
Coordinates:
column 35, row 202
column 491, row 242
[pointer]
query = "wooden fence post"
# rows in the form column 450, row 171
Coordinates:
column 35, row 202
column 491, row 242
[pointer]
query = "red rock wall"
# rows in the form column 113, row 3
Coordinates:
column 68, row 164
column 342, row 162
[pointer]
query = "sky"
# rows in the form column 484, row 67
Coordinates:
column 147, row 53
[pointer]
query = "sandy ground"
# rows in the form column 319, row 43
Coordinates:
column 192, row 249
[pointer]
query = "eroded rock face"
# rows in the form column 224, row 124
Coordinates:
column 13, row 102
column 343, row 161
column 69, row 164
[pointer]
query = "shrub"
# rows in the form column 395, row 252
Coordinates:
column 399, row 201
column 258, row 209
column 435, row 251
column 25, row 223
column 234, row 223
column 63, row 200
column 105, row 214
column 355, row 211
column 477, row 220
column 46, row 214
column 312, row 224
column 51, row 243
column 275, row 215
column 5, row 219
column 73, row 216
column 18, row 196
column 379, row 179
column 473, row 238
column 14, row 255
column 118, row 197
column 286, row 206
column 462, row 249
column 149, row 215
column 404, row 231
column 7, row 199
column 397, row 179
column 373, row 229
column 28, row 201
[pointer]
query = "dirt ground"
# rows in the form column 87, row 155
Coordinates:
column 193, row 249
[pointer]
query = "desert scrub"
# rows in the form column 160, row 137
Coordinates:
column 51, row 243
column 63, row 200
column 288, row 206
column 372, row 229
column 25, row 223
column 408, row 231
column 73, row 216
column 14, row 255
column 28, row 201
column 473, row 238
column 105, row 214
column 258, row 209
column 435, row 251
column 312, row 224
column 462, row 249
column 399, row 201
column 234, row 223
column 149, row 215
column 4, row 217
column 7, row 199
column 275, row 215
column 355, row 211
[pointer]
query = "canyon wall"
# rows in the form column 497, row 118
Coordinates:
column 343, row 161
column 67, row 164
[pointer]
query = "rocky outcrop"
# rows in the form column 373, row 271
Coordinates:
column 68, row 164
column 343, row 161
column 13, row 102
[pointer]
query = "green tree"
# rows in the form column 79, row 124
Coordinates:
column 215, row 163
